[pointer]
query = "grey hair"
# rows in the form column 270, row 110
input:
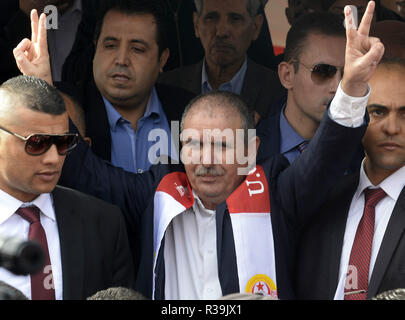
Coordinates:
column 396, row 294
column 223, row 100
column 117, row 293
column 253, row 7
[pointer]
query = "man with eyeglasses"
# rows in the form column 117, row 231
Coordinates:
column 75, row 231
column 311, row 72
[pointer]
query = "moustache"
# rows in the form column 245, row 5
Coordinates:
column 222, row 44
column 210, row 171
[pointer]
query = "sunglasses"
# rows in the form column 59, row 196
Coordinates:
column 39, row 143
column 321, row 72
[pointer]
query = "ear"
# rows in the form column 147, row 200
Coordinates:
column 286, row 74
column 257, row 141
column 258, row 23
column 163, row 58
column 252, row 149
column 195, row 20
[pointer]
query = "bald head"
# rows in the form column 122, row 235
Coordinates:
column 219, row 103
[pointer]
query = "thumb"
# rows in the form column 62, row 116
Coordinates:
column 374, row 55
column 23, row 64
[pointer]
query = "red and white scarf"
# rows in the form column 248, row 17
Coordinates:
column 249, row 208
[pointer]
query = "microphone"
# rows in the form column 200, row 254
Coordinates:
column 19, row 256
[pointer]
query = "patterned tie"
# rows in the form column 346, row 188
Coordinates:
column 41, row 282
column 361, row 250
column 302, row 147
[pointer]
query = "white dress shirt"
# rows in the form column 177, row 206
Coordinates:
column 190, row 251
column 190, row 254
column 392, row 186
column 12, row 225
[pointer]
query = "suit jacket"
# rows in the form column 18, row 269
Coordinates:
column 185, row 45
column 318, row 169
column 269, row 132
column 15, row 26
column 93, row 242
column 321, row 247
column 173, row 101
column 261, row 86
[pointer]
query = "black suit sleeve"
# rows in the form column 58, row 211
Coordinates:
column 123, row 271
column 303, row 187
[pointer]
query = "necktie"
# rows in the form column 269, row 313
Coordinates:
column 41, row 282
column 359, row 264
column 301, row 147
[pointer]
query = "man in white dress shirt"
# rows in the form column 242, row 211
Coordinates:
column 384, row 168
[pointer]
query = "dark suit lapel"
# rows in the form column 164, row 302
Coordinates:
column 71, row 240
column 97, row 125
column 195, row 80
column 393, row 233
column 251, row 84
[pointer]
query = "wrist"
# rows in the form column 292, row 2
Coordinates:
column 356, row 89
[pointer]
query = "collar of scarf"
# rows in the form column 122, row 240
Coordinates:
column 249, row 208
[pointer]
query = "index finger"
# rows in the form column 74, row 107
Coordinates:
column 34, row 26
column 42, row 36
column 364, row 28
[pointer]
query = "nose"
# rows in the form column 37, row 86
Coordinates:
column 222, row 28
column 207, row 155
column 122, row 56
column 334, row 82
column 51, row 156
column 392, row 125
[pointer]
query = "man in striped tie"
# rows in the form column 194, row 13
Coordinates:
column 355, row 251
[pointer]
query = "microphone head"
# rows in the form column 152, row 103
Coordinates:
column 21, row 257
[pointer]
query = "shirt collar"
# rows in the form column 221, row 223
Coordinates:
column 153, row 109
column 392, row 185
column 235, row 85
column 9, row 205
column 199, row 206
column 290, row 139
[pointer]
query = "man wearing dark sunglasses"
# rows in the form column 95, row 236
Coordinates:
column 75, row 231
column 311, row 71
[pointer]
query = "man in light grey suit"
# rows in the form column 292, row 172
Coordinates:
column 226, row 30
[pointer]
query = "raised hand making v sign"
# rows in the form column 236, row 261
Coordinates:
column 363, row 53
column 32, row 56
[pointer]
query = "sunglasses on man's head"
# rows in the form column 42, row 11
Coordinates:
column 39, row 143
column 321, row 72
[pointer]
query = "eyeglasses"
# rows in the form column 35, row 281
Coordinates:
column 321, row 72
column 38, row 143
